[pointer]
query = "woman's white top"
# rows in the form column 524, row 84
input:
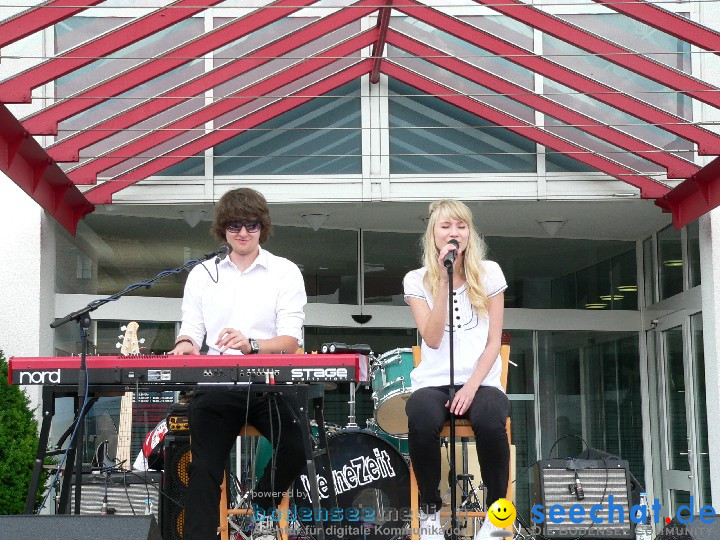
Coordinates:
column 470, row 333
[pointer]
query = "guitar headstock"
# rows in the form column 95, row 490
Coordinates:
column 130, row 343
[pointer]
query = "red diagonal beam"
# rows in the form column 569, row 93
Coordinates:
column 668, row 22
column 695, row 196
column 707, row 141
column 87, row 172
column 24, row 161
column 676, row 166
column 608, row 50
column 379, row 45
column 105, row 191
column 39, row 17
column 45, row 122
column 648, row 187
column 68, row 148
column 18, row 89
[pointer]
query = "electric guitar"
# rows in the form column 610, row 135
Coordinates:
column 130, row 345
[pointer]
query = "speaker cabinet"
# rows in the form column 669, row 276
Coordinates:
column 175, row 482
column 556, row 485
column 74, row 527
column 697, row 530
column 127, row 494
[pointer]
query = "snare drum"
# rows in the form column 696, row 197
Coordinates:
column 390, row 380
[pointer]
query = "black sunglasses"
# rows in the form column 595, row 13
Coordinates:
column 236, row 226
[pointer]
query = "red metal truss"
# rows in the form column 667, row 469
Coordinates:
column 18, row 89
column 648, row 187
column 39, row 17
column 676, row 166
column 68, row 149
column 45, row 122
column 87, row 172
column 707, row 141
column 378, row 47
column 103, row 193
column 607, row 50
column 25, row 162
column 695, row 196
column 668, row 22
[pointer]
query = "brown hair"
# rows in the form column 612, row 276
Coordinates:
column 241, row 204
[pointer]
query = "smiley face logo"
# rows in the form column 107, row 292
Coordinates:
column 502, row 513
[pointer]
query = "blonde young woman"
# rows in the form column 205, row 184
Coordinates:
column 477, row 319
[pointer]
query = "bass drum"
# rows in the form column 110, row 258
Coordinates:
column 372, row 483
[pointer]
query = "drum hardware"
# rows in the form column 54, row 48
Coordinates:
column 373, row 487
column 351, row 406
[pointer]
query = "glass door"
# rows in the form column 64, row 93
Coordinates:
column 680, row 413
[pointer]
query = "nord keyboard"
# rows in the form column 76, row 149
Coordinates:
column 190, row 369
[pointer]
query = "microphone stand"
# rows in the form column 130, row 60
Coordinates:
column 82, row 316
column 453, row 495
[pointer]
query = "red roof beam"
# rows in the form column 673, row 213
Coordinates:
column 68, row 148
column 707, row 141
column 26, row 163
column 18, row 89
column 668, row 22
column 676, row 166
column 695, row 196
column 45, row 122
column 88, row 172
column 104, row 192
column 648, row 187
column 39, row 17
column 378, row 47
column 607, row 50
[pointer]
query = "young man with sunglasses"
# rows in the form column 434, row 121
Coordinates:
column 251, row 302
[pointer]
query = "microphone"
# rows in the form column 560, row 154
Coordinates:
column 452, row 255
column 223, row 251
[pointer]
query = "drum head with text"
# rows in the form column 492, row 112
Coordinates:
column 372, row 483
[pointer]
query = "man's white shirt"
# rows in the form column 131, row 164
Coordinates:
column 263, row 302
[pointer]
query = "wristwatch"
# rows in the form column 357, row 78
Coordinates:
column 254, row 346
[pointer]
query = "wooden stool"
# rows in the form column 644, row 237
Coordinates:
column 225, row 512
column 463, row 429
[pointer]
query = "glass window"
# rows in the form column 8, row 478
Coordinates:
column 676, row 407
column 698, row 352
column 590, row 394
column 111, row 252
column 330, row 268
column 670, row 261
column 387, row 258
column 563, row 273
column 693, row 250
column 521, row 390
column 649, row 271
column 428, row 135
column 322, row 136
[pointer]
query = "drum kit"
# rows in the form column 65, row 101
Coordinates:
column 370, row 470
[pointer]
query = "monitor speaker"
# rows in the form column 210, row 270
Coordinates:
column 580, row 485
column 695, row 530
column 175, row 483
column 79, row 527
column 127, row 494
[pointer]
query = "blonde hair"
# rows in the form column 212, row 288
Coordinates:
column 475, row 252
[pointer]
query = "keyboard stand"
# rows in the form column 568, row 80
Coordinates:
column 300, row 397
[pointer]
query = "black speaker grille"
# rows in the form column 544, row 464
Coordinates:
column 175, row 482
column 598, row 483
